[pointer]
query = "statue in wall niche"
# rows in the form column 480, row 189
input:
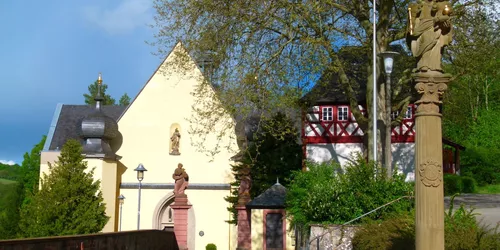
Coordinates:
column 429, row 31
column 181, row 180
column 175, row 140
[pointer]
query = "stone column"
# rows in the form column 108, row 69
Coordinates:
column 244, row 220
column 429, row 221
column 244, row 228
column 181, row 208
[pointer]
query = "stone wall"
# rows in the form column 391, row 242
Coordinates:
column 130, row 240
column 331, row 237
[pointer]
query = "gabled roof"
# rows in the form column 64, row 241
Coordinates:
column 273, row 197
column 68, row 121
column 329, row 90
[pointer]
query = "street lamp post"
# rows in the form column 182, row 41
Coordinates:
column 140, row 176
column 121, row 199
column 388, row 57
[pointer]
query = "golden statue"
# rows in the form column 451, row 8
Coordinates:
column 429, row 31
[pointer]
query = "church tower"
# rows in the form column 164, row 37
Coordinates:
column 101, row 141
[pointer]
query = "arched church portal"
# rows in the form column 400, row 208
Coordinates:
column 163, row 217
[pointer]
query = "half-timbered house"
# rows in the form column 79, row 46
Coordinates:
column 330, row 131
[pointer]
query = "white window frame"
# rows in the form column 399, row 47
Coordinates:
column 408, row 113
column 341, row 111
column 327, row 114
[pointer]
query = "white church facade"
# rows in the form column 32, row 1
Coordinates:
column 117, row 139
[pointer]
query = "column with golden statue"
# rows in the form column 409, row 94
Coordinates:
column 429, row 31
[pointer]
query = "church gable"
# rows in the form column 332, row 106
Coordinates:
column 161, row 126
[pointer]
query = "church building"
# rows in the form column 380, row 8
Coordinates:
column 138, row 150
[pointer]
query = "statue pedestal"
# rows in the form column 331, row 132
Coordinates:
column 429, row 200
column 181, row 208
column 244, row 228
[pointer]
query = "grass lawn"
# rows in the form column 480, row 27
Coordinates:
column 489, row 189
column 5, row 181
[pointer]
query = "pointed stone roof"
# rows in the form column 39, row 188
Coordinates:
column 273, row 197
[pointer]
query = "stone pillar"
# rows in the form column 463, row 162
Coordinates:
column 244, row 221
column 181, row 208
column 244, row 228
column 429, row 221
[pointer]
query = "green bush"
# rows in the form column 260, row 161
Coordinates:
column 211, row 246
column 461, row 232
column 452, row 184
column 481, row 163
column 397, row 233
column 328, row 194
column 469, row 184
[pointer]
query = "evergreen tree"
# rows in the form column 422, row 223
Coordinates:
column 69, row 202
column 273, row 156
column 124, row 100
column 89, row 98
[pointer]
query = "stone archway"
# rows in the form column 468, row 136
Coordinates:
column 163, row 217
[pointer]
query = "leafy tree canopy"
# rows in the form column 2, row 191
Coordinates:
column 30, row 168
column 266, row 54
column 328, row 194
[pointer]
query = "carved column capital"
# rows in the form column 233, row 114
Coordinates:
column 431, row 87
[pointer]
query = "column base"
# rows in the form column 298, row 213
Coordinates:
column 181, row 207
column 244, row 228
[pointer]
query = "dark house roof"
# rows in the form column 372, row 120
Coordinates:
column 329, row 90
column 68, row 120
column 273, row 197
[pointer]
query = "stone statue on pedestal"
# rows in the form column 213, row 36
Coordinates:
column 429, row 31
column 181, row 180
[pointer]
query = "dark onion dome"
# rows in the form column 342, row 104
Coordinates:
column 98, row 130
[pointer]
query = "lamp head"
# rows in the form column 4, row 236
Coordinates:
column 121, row 199
column 388, row 57
column 140, row 172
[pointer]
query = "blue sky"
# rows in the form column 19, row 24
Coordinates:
column 52, row 50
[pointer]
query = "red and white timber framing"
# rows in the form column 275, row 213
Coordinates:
column 336, row 124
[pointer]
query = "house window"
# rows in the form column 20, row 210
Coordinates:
column 343, row 114
column 327, row 114
column 394, row 115
column 408, row 113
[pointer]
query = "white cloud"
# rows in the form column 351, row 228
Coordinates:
column 7, row 162
column 122, row 19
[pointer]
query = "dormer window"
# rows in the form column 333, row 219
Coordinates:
column 327, row 114
column 343, row 113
